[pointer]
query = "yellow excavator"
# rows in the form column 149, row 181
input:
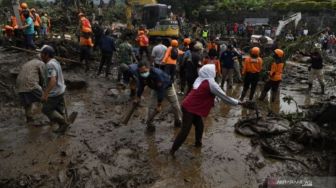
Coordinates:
column 155, row 17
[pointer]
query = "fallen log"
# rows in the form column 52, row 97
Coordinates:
column 62, row 59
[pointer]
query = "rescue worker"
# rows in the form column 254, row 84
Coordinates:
column 28, row 28
column 315, row 69
column 275, row 75
column 23, row 9
column 158, row 54
column 184, row 59
column 45, row 24
column 11, row 28
column 53, row 94
column 198, row 104
column 205, row 32
column 212, row 45
column 192, row 65
column 162, row 87
column 130, row 77
column 125, row 54
column 29, row 85
column 37, row 21
column 85, row 41
column 143, row 41
column 170, row 59
column 252, row 66
column 227, row 59
column 107, row 47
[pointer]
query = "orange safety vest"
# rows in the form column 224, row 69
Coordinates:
column 276, row 71
column 37, row 21
column 85, row 23
column 14, row 22
column 84, row 41
column 212, row 45
column 216, row 62
column 168, row 60
column 252, row 65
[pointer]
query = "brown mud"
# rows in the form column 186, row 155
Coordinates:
column 99, row 152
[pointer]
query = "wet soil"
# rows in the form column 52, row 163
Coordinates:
column 99, row 152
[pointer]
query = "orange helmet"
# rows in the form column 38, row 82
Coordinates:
column 174, row 43
column 279, row 53
column 24, row 5
column 32, row 10
column 255, row 51
column 187, row 41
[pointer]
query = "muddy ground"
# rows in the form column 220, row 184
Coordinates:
column 98, row 152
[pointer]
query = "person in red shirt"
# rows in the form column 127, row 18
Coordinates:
column 198, row 104
column 143, row 42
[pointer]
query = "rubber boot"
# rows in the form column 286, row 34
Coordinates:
column 243, row 95
column 59, row 119
column 310, row 86
column 273, row 96
column 322, row 89
column 262, row 96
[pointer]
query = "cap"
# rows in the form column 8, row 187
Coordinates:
column 46, row 49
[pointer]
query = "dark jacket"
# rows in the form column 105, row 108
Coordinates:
column 191, row 72
column 132, row 73
column 226, row 59
column 316, row 61
column 157, row 80
column 107, row 44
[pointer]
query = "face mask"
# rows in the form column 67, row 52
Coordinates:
column 144, row 74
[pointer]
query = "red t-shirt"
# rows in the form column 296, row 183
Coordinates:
column 199, row 101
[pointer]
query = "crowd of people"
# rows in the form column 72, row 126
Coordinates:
column 199, row 69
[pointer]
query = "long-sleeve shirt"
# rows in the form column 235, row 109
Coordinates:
column 157, row 80
column 276, row 71
column 31, row 76
column 200, row 101
column 107, row 44
column 252, row 65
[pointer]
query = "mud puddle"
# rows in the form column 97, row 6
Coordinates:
column 98, row 152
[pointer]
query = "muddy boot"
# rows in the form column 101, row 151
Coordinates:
column 57, row 117
column 310, row 86
column 243, row 95
column 322, row 89
column 198, row 144
column 262, row 96
column 273, row 96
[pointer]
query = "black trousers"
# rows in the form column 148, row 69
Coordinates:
column 183, row 80
column 142, row 50
column 250, row 82
column 162, row 67
column 272, row 85
column 106, row 59
column 85, row 53
column 171, row 71
column 187, row 120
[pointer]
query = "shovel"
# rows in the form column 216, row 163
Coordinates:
column 129, row 113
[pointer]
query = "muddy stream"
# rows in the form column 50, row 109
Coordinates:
column 98, row 152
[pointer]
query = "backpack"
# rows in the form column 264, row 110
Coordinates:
column 174, row 53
